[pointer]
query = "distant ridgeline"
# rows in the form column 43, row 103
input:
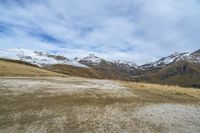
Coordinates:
column 181, row 69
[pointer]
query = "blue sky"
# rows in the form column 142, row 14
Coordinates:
column 135, row 30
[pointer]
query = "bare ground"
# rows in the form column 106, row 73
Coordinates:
column 72, row 104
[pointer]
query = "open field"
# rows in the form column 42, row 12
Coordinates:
column 165, row 90
column 72, row 104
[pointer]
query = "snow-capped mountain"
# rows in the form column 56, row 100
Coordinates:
column 43, row 58
column 93, row 60
column 169, row 69
column 195, row 56
column 124, row 62
column 37, row 58
column 189, row 57
column 90, row 60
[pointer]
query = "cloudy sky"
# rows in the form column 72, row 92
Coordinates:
column 135, row 30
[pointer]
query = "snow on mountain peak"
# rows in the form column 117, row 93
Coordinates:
column 125, row 63
column 170, row 59
column 92, row 58
column 37, row 58
column 195, row 56
column 173, row 58
column 44, row 58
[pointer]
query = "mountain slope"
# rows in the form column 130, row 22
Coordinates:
column 102, row 71
column 181, row 69
column 96, row 68
column 73, row 70
column 180, row 73
column 165, row 61
column 18, row 68
column 91, row 60
column 110, row 69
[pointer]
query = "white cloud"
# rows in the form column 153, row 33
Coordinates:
column 135, row 30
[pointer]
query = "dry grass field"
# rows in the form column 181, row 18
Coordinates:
column 8, row 68
column 173, row 91
column 76, row 105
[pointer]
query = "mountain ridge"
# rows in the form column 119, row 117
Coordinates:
column 190, row 57
column 181, row 69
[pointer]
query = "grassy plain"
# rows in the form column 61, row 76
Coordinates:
column 75, row 105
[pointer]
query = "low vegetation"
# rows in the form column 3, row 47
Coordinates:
column 181, row 73
column 17, row 68
column 75, row 105
column 165, row 90
column 44, row 101
column 74, row 71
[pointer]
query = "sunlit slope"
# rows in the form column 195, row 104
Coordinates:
column 17, row 68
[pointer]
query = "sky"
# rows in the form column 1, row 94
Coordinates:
column 140, row 31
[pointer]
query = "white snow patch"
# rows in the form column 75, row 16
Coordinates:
column 92, row 58
column 37, row 58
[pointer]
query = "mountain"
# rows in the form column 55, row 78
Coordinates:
column 91, row 60
column 176, row 57
column 181, row 69
column 125, row 63
column 37, row 58
column 96, row 68
column 110, row 69
column 180, row 73
column 166, row 61
column 195, row 57
column 90, row 66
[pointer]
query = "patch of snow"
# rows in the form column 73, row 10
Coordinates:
column 124, row 62
column 76, row 63
column 170, row 59
column 37, row 58
column 92, row 58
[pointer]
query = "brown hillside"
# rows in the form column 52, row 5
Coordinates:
column 180, row 73
column 18, row 68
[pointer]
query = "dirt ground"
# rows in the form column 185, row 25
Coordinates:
column 77, row 105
